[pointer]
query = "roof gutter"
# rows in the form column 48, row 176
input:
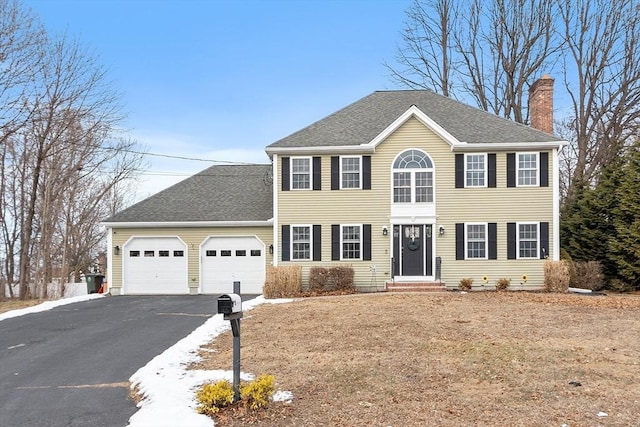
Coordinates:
column 504, row 146
column 188, row 224
column 339, row 149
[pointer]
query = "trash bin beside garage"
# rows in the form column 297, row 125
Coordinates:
column 94, row 281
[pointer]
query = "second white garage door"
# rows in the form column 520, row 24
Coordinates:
column 225, row 260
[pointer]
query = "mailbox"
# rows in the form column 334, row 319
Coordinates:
column 229, row 304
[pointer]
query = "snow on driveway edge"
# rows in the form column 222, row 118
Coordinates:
column 47, row 305
column 168, row 388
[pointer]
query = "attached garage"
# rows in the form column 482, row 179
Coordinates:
column 225, row 260
column 155, row 265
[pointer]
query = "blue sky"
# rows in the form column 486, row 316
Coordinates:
column 222, row 79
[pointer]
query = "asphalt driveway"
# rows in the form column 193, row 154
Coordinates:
column 70, row 366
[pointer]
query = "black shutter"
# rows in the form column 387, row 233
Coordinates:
column 335, row 242
column 511, row 240
column 544, row 240
column 366, row 172
column 511, row 169
column 317, row 174
column 366, row 242
column 285, row 174
column 459, row 240
column 491, row 170
column 335, row 173
column 285, row 243
column 317, row 243
column 459, row 170
column 544, row 169
column 493, row 240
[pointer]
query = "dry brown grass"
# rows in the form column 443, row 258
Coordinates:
column 15, row 304
column 283, row 281
column 484, row 359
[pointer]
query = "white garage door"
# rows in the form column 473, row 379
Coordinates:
column 155, row 265
column 225, row 260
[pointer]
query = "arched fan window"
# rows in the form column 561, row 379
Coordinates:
column 413, row 177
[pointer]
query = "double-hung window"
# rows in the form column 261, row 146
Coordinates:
column 527, row 169
column 413, row 178
column 351, row 242
column 300, row 242
column 301, row 173
column 476, row 241
column 475, row 170
column 527, row 240
column 350, row 168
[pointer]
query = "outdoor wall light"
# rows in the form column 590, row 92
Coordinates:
column 271, row 249
column 116, row 250
column 441, row 230
column 385, row 230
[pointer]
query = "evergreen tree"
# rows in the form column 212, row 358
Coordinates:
column 624, row 249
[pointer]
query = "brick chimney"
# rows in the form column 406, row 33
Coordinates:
column 541, row 104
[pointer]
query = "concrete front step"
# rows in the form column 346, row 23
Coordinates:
column 415, row 287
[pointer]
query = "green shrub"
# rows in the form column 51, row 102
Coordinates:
column 589, row 275
column 283, row 282
column 502, row 284
column 212, row 397
column 556, row 276
column 258, row 392
column 465, row 284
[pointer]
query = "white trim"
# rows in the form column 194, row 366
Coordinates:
column 537, row 154
column 276, row 224
column 486, row 167
column 339, row 149
column 486, row 241
column 360, row 175
column 537, row 224
column 414, row 111
column 189, row 224
column 360, row 226
column 508, row 146
column 556, row 205
column 310, row 226
column 110, row 259
column 310, row 173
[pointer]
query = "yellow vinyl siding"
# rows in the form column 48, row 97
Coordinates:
column 453, row 205
column 192, row 237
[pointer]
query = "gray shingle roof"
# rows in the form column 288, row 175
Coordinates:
column 360, row 122
column 219, row 193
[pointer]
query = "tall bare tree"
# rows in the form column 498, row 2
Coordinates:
column 63, row 152
column 487, row 52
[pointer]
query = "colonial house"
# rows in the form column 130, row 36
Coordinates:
column 403, row 186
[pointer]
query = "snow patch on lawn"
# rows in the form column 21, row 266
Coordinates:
column 168, row 388
column 48, row 305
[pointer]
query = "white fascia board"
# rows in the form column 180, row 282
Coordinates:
column 503, row 146
column 414, row 111
column 189, row 224
column 339, row 149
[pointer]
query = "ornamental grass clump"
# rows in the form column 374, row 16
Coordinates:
column 283, row 282
column 557, row 276
column 502, row 284
column 465, row 284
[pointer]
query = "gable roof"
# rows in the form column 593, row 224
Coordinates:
column 363, row 121
column 228, row 193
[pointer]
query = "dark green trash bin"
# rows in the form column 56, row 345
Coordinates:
column 94, row 282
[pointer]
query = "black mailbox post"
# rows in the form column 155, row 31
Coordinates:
column 230, row 306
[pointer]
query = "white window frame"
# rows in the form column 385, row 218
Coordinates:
column 343, row 242
column 342, row 171
column 310, row 173
column 485, row 225
column 483, row 171
column 537, row 240
column 292, row 242
column 537, row 169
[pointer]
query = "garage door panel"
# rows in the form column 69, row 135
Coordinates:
column 155, row 266
column 225, row 260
